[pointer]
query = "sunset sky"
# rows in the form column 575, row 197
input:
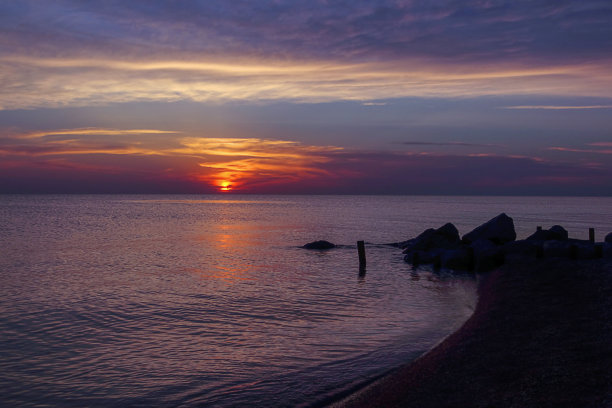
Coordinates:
column 372, row 97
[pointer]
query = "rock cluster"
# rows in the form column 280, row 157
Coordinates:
column 488, row 246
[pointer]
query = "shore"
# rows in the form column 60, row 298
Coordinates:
column 541, row 336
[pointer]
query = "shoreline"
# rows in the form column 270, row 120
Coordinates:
column 541, row 335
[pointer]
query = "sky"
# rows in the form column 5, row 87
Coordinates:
column 306, row 97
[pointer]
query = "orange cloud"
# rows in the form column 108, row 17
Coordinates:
column 239, row 161
column 225, row 163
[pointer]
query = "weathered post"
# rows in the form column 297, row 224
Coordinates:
column 592, row 234
column 361, row 251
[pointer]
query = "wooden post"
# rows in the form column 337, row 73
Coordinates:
column 361, row 251
column 592, row 234
column 538, row 228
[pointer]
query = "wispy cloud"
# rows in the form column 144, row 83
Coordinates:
column 78, row 160
column 93, row 131
column 559, row 107
column 93, row 54
column 452, row 143
column 57, row 82
column 225, row 163
column 575, row 150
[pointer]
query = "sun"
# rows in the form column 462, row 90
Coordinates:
column 225, row 186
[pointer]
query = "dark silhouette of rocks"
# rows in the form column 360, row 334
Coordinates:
column 321, row 245
column 445, row 237
column 491, row 244
column 498, row 230
column 555, row 233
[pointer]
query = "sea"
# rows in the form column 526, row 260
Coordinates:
column 210, row 301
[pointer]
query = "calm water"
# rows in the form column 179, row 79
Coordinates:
column 208, row 301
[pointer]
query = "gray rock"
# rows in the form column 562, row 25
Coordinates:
column 487, row 255
column 445, row 237
column 555, row 233
column 419, row 257
column 558, row 232
column 499, row 230
column 586, row 250
column 319, row 245
column 482, row 245
column 521, row 248
column 558, row 249
column 458, row 259
column 607, row 250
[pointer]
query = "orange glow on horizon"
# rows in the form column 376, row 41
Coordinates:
column 225, row 186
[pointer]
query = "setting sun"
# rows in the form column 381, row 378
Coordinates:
column 225, row 186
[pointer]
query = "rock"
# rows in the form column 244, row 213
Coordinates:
column 445, row 237
column 319, row 245
column 607, row 250
column 482, row 245
column 458, row 259
column 498, row 230
column 555, row 233
column 586, row 250
column 487, row 255
column 558, row 232
column 423, row 257
column 608, row 238
column 558, row 249
column 449, row 232
column 522, row 248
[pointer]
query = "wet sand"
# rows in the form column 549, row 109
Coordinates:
column 541, row 336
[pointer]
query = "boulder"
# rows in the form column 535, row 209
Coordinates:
column 607, row 250
column 555, row 233
column 419, row 257
column 498, row 230
column 487, row 255
column 458, row 259
column 608, row 238
column 558, row 232
column 522, row 248
column 445, row 237
column 557, row 249
column 319, row 245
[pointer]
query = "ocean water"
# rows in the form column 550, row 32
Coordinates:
column 166, row 301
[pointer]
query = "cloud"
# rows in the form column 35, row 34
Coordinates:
column 466, row 144
column 574, row 150
column 559, row 107
column 105, row 160
column 31, row 82
column 223, row 163
column 83, row 54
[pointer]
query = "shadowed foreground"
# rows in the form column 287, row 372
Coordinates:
column 541, row 336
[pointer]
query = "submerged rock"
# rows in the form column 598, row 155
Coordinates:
column 498, row 230
column 319, row 245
